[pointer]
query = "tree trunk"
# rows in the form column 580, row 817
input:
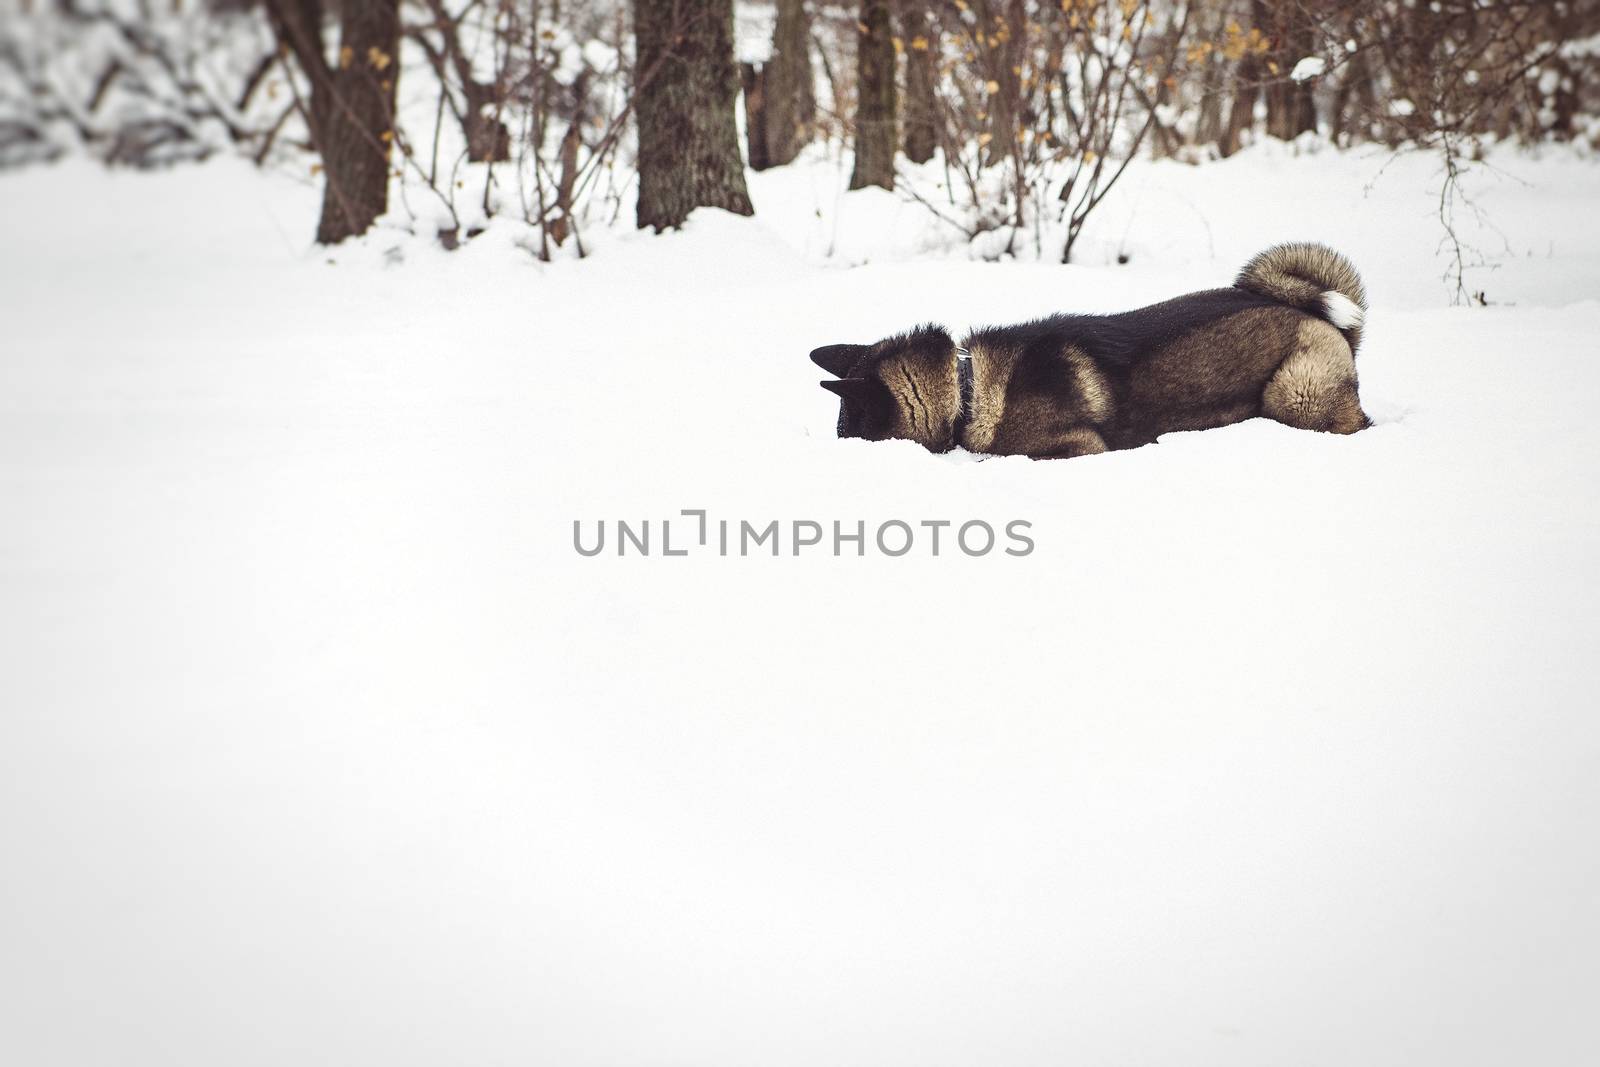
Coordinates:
column 571, row 141
column 1005, row 63
column 688, row 141
column 1208, row 127
column 351, row 112
column 754, row 81
column 922, row 79
column 875, row 136
column 1291, row 109
column 1564, row 101
column 357, row 127
column 488, row 139
column 1356, row 84
column 791, row 104
column 1241, row 115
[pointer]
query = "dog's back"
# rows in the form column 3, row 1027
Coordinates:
column 1280, row 343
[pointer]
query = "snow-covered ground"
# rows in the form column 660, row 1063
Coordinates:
column 322, row 744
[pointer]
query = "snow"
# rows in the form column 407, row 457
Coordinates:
column 1581, row 48
column 1308, row 68
column 752, row 32
column 323, row 744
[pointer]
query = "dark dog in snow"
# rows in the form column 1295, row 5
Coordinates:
column 1280, row 342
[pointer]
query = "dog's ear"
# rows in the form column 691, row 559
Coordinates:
column 866, row 393
column 838, row 360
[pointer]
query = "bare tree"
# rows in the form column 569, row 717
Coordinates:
column 136, row 87
column 791, row 101
column 1289, row 27
column 1111, row 60
column 921, row 38
column 572, row 160
column 351, row 111
column 1245, row 50
column 481, row 106
column 688, row 143
column 875, row 107
column 754, row 84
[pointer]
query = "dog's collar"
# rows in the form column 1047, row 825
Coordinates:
column 968, row 396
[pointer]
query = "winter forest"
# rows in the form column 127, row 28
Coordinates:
column 566, row 116
column 453, row 610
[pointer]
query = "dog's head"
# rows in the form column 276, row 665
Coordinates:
column 903, row 387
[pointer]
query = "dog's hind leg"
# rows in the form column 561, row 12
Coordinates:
column 1315, row 387
column 1078, row 441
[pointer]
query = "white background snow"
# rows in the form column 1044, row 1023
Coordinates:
column 321, row 744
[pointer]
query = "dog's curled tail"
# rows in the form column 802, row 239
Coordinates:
column 1313, row 278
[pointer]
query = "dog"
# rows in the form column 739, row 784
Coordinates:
column 1280, row 342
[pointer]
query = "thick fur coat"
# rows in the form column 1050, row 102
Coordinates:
column 1280, row 342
